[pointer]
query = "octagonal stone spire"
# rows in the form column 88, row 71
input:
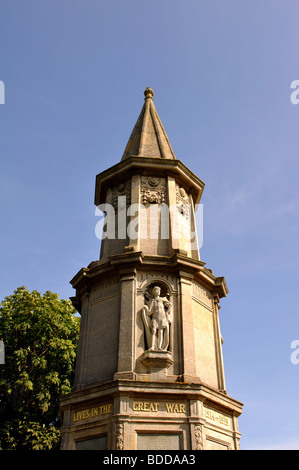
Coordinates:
column 148, row 138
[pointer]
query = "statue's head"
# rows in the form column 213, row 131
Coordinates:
column 156, row 291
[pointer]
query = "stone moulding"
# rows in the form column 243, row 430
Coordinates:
column 97, row 271
column 126, row 168
column 159, row 359
column 137, row 259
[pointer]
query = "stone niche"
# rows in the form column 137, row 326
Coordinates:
column 156, row 350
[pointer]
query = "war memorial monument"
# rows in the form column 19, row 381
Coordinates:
column 149, row 371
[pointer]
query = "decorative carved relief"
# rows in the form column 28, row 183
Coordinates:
column 122, row 189
column 182, row 201
column 181, row 193
column 157, row 317
column 153, row 190
column 144, row 277
column 119, row 445
column 153, row 181
column 198, row 437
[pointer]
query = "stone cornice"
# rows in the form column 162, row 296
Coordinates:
column 149, row 165
column 194, row 391
column 136, row 259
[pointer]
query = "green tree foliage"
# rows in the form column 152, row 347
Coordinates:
column 40, row 334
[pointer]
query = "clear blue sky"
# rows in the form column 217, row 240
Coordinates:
column 74, row 74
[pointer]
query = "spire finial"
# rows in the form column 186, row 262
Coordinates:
column 149, row 93
column 148, row 138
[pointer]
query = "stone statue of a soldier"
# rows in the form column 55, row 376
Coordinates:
column 157, row 316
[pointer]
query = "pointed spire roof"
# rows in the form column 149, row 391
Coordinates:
column 148, row 138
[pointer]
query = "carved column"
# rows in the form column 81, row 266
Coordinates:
column 188, row 346
column 218, row 343
column 198, row 437
column 119, row 436
column 66, row 442
column 174, row 242
column 81, row 354
column 134, row 215
column 236, row 432
column 126, row 342
column 196, row 425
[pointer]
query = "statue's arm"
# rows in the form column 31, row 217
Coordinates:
column 146, row 309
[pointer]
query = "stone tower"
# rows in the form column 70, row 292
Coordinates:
column 149, row 371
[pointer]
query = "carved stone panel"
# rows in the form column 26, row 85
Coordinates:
column 122, row 189
column 156, row 441
column 105, row 289
column 182, row 201
column 98, row 443
column 201, row 294
column 153, row 190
